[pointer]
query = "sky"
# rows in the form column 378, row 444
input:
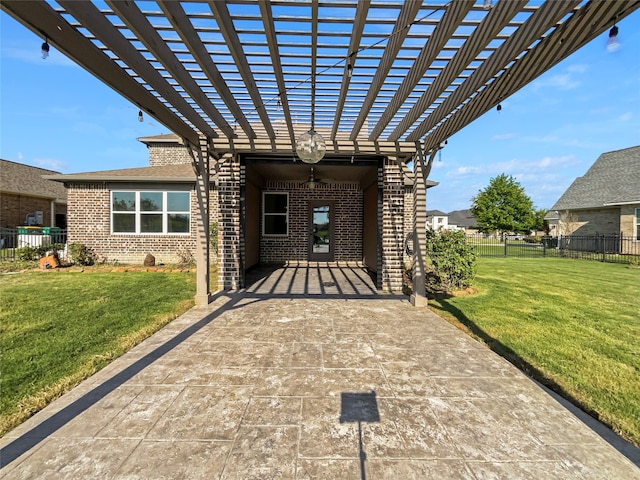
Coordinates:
column 55, row 115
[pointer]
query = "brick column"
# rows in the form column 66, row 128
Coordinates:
column 392, row 227
column 229, row 235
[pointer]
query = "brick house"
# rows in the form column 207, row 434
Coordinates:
column 269, row 208
column 26, row 198
column 604, row 201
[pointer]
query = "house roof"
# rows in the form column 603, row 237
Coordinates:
column 370, row 76
column 436, row 213
column 180, row 173
column 163, row 138
column 614, row 179
column 20, row 179
column 462, row 218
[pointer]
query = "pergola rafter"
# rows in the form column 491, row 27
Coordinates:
column 257, row 74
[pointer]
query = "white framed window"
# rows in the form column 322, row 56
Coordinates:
column 150, row 212
column 637, row 223
column 275, row 213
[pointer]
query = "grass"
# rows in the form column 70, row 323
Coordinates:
column 58, row 328
column 573, row 325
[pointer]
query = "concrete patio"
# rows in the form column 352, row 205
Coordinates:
column 310, row 373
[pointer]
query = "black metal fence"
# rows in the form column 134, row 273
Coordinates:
column 14, row 239
column 604, row 248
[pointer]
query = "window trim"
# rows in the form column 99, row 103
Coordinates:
column 137, row 212
column 264, row 214
column 636, row 218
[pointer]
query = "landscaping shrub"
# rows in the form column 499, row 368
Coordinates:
column 82, row 255
column 452, row 259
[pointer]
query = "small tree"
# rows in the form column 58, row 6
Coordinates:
column 503, row 207
column 539, row 223
column 567, row 223
column 452, row 258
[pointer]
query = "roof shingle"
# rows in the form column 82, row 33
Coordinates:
column 613, row 179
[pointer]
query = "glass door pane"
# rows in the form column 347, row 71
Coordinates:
column 321, row 229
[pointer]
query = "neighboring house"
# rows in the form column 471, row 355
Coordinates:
column 437, row 220
column 26, row 198
column 606, row 200
column 270, row 210
column 463, row 220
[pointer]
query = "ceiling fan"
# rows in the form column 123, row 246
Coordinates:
column 313, row 181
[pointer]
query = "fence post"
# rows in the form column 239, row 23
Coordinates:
column 504, row 238
column 544, row 245
column 603, row 240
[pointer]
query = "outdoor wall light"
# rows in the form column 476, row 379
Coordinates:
column 311, row 147
column 140, row 116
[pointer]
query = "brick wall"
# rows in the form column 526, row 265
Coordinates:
column 14, row 209
column 628, row 220
column 89, row 223
column 604, row 221
column 168, row 154
column 347, row 217
column 408, row 223
column 393, row 224
column 230, row 175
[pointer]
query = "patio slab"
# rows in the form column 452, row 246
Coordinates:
column 288, row 381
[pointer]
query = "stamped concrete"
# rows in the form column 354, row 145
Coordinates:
column 309, row 373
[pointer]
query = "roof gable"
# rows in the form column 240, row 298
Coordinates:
column 613, row 179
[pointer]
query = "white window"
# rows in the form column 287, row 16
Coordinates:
column 149, row 212
column 637, row 223
column 275, row 213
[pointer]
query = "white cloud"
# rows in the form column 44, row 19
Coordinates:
column 625, row 117
column 578, row 68
column 19, row 156
column 504, row 136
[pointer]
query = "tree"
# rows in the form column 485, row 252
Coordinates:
column 504, row 207
column 539, row 223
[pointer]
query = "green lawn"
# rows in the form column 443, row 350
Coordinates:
column 58, row 328
column 573, row 324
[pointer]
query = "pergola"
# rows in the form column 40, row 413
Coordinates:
column 372, row 76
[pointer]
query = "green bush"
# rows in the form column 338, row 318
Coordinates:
column 533, row 239
column 453, row 260
column 82, row 255
column 33, row 254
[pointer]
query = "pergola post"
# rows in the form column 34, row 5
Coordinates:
column 201, row 167
column 421, row 172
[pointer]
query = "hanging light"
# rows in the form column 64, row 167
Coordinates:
column 499, row 107
column 44, row 49
column 487, row 4
column 311, row 147
column 612, row 43
column 140, row 116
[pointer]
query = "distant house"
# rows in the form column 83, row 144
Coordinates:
column 437, row 220
column 463, row 220
column 283, row 211
column 606, row 200
column 26, row 198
